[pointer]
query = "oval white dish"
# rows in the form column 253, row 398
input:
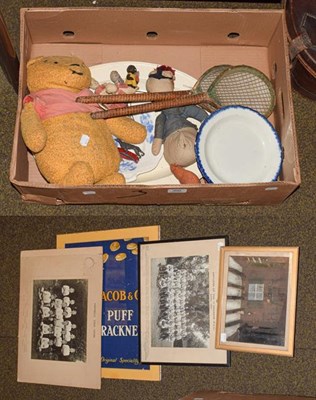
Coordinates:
column 149, row 169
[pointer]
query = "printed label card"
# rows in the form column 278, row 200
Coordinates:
column 120, row 298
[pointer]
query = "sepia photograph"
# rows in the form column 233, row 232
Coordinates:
column 60, row 317
column 178, row 302
column 257, row 297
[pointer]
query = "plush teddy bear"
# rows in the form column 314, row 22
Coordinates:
column 71, row 148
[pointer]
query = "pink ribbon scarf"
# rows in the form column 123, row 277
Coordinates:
column 52, row 102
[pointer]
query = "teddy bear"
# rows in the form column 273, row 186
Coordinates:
column 69, row 146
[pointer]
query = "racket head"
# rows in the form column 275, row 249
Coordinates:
column 245, row 86
column 203, row 84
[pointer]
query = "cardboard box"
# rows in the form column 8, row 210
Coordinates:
column 190, row 40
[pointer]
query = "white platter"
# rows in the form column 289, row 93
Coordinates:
column 238, row 145
column 150, row 169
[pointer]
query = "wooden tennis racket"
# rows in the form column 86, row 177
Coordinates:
column 201, row 85
column 217, row 87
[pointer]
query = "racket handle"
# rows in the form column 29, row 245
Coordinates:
column 155, row 106
column 131, row 98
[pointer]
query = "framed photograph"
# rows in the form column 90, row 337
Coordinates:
column 60, row 317
column 257, row 299
column 178, row 287
column 119, row 358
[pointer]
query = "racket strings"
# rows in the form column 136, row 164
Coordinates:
column 208, row 78
column 245, row 89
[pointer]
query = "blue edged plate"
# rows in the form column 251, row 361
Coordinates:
column 236, row 144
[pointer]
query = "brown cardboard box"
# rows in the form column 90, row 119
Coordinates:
column 189, row 40
column 208, row 395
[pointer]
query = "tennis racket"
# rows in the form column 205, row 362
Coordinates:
column 219, row 86
column 245, row 86
column 201, row 85
column 162, row 100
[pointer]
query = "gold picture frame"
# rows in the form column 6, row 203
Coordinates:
column 257, row 299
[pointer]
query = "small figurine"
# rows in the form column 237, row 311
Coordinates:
column 116, row 86
column 161, row 79
column 132, row 77
column 172, row 126
column 116, row 77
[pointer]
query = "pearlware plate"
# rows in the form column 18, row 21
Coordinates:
column 150, row 169
column 238, row 145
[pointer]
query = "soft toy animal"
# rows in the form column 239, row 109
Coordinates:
column 71, row 148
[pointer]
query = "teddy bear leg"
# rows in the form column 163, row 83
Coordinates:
column 114, row 179
column 80, row 173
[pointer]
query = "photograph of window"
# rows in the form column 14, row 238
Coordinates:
column 256, row 291
column 257, row 299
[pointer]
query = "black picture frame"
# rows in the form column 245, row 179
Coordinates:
column 178, row 301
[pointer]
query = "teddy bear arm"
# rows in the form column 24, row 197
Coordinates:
column 32, row 129
column 127, row 129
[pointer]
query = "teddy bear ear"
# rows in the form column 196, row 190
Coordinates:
column 34, row 60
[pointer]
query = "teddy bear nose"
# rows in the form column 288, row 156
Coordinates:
column 75, row 65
